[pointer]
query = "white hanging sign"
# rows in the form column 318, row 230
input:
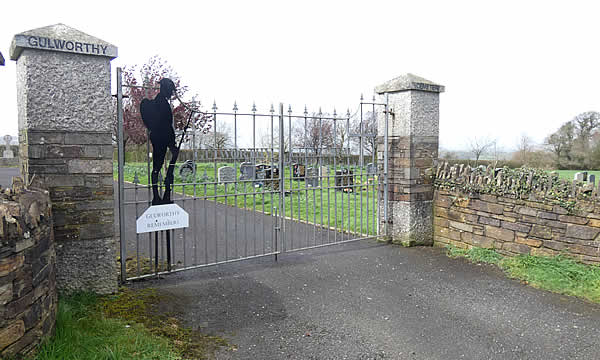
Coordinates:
column 162, row 217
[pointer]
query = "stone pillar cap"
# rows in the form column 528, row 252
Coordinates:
column 409, row 82
column 61, row 38
column 1, row 59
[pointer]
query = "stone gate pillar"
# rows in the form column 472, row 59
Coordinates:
column 65, row 125
column 413, row 138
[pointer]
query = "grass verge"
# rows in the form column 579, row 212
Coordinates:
column 127, row 325
column 558, row 274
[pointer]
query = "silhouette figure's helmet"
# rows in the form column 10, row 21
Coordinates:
column 167, row 85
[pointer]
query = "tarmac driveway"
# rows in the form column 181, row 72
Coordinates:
column 372, row 301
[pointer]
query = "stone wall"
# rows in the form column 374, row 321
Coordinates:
column 516, row 212
column 76, row 167
column 28, row 300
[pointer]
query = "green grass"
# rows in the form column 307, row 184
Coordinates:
column 83, row 332
column 476, row 255
column 558, row 274
column 314, row 205
column 569, row 174
column 132, row 324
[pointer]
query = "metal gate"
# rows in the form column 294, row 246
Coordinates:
column 257, row 184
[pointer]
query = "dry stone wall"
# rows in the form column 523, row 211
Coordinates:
column 522, row 211
column 28, row 300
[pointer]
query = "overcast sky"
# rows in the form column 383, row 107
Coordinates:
column 509, row 67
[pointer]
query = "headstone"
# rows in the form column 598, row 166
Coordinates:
column 312, row 177
column 324, row 171
column 8, row 154
column 272, row 175
column 371, row 169
column 578, row 176
column 260, row 176
column 344, row 179
column 585, row 175
column 299, row 172
column 247, row 171
column 592, row 179
column 226, row 174
column 186, row 170
column 324, row 175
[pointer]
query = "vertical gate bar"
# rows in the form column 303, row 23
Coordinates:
column 273, row 238
column 298, row 192
column 235, row 158
column 335, row 195
column 342, row 198
column 291, row 150
column 184, row 231
column 385, row 164
column 137, row 236
column 375, row 187
column 205, row 233
column 121, row 164
column 215, row 174
column 281, row 177
column 225, row 220
column 320, row 165
column 146, row 95
column 290, row 133
column 360, row 145
column 368, row 207
column 316, row 161
column 350, row 176
column 276, row 229
column 156, row 253
column 305, row 175
column 328, row 190
column 195, row 202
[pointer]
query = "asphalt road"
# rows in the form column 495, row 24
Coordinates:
column 371, row 301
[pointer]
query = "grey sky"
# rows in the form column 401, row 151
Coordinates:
column 509, row 67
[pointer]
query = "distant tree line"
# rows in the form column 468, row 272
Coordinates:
column 576, row 144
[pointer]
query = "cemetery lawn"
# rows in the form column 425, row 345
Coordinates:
column 569, row 174
column 326, row 207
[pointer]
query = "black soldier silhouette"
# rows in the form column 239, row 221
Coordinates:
column 158, row 118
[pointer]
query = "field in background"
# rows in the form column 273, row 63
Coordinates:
column 569, row 174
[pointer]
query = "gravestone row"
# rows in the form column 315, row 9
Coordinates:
column 264, row 174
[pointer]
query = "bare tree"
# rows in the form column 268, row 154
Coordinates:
column 316, row 136
column 368, row 128
column 264, row 139
column 219, row 140
column 479, row 146
column 525, row 147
